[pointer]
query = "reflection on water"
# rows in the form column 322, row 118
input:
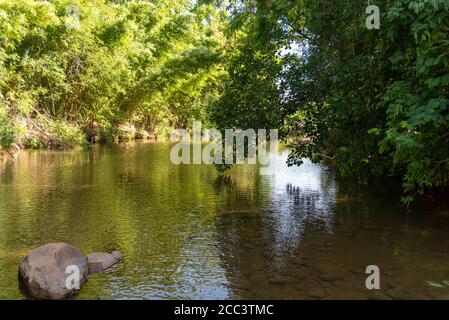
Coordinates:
column 186, row 233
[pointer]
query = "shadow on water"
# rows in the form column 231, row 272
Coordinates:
column 188, row 232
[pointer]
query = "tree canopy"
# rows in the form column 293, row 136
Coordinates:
column 374, row 102
column 88, row 66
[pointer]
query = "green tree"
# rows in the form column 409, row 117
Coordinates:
column 375, row 102
column 71, row 68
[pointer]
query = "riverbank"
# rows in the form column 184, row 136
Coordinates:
column 53, row 134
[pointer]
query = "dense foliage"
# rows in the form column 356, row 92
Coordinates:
column 383, row 102
column 375, row 102
column 71, row 68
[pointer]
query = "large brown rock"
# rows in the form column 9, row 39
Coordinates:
column 43, row 271
column 99, row 262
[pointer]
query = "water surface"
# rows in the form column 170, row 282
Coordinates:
column 187, row 234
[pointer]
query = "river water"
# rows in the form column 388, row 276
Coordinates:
column 185, row 233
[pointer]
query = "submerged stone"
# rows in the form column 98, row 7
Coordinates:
column 99, row 262
column 316, row 293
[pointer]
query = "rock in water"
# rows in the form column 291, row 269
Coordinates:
column 99, row 262
column 117, row 255
column 45, row 274
column 316, row 293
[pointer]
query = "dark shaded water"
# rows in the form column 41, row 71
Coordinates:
column 187, row 234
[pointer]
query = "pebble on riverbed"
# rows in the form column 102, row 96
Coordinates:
column 282, row 280
column 316, row 292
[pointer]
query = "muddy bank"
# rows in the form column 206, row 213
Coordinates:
column 44, row 133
